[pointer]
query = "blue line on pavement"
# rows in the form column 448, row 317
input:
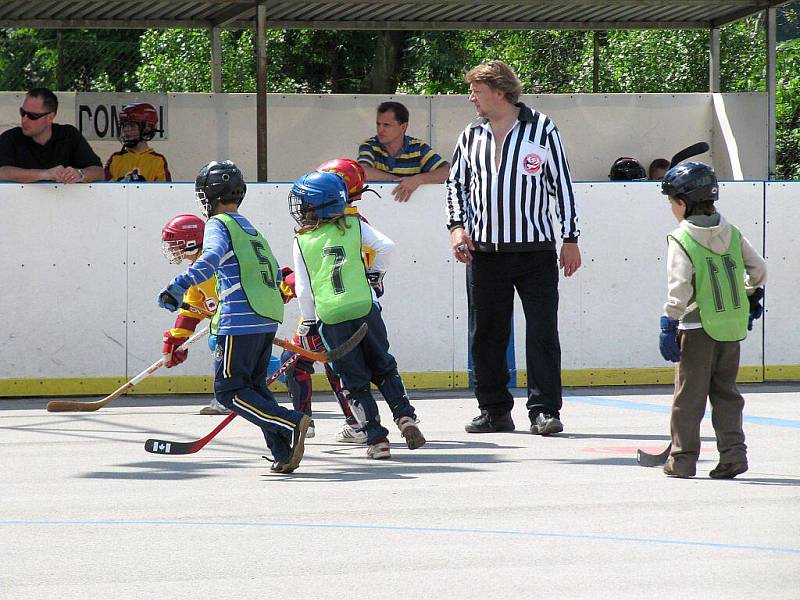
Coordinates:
column 657, row 408
column 516, row 533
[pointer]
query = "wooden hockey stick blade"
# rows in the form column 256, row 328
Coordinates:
column 167, row 447
column 74, row 406
column 688, row 152
column 653, row 460
column 334, row 354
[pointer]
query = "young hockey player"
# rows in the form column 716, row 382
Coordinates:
column 137, row 161
column 298, row 377
column 249, row 313
column 337, row 294
column 714, row 288
column 182, row 239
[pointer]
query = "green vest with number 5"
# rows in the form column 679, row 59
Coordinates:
column 718, row 286
column 337, row 273
column 257, row 269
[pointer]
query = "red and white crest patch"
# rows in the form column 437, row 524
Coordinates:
column 532, row 164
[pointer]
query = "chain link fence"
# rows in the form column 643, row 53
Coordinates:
column 69, row 60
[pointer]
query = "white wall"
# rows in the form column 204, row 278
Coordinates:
column 306, row 130
column 83, row 266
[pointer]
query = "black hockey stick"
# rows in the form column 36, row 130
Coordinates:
column 653, row 460
column 164, row 447
column 688, row 152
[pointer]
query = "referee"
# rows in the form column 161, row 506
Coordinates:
column 507, row 170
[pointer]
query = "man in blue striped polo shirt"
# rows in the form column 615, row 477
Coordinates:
column 391, row 155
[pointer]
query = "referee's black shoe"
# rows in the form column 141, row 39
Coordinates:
column 486, row 423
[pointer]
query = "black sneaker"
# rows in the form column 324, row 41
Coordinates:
column 546, row 424
column 728, row 470
column 486, row 423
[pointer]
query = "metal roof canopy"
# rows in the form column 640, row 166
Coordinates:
column 382, row 14
column 415, row 15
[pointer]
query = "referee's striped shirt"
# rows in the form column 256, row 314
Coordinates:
column 508, row 208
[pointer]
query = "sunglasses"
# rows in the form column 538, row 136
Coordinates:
column 32, row 115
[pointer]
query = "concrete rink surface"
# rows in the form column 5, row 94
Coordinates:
column 88, row 514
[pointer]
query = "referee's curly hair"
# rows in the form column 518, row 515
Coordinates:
column 497, row 75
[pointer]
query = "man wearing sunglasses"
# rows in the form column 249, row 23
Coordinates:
column 41, row 150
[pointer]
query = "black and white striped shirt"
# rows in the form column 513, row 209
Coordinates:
column 509, row 207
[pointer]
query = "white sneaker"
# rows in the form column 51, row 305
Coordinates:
column 310, row 431
column 379, row 450
column 348, row 435
column 214, row 408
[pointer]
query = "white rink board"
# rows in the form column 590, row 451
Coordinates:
column 609, row 310
column 94, row 312
column 782, row 335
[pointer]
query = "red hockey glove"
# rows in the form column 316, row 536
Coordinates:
column 173, row 356
column 308, row 337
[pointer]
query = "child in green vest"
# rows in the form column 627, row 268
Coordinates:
column 714, row 292
column 336, row 294
column 250, row 310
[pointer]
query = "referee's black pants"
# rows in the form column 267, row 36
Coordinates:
column 492, row 278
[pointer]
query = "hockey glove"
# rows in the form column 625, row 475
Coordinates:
column 173, row 356
column 212, row 342
column 668, row 340
column 376, row 281
column 308, row 337
column 171, row 296
column 756, row 309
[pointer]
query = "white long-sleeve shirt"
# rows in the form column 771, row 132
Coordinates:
column 381, row 245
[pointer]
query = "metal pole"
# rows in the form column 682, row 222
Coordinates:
column 596, row 62
column 216, row 61
column 771, row 30
column 60, row 64
column 713, row 62
column 261, row 91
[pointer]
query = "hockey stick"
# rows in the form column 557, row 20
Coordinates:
column 324, row 357
column 688, row 152
column 73, row 406
column 165, row 447
column 653, row 460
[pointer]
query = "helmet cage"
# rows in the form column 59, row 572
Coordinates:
column 206, row 205
column 145, row 132
column 176, row 250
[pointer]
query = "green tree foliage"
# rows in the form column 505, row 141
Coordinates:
column 91, row 60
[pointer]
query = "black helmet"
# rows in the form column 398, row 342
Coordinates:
column 627, row 169
column 219, row 181
column 692, row 182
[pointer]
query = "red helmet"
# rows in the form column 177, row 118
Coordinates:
column 145, row 116
column 182, row 235
column 349, row 170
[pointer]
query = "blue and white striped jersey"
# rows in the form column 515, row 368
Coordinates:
column 236, row 315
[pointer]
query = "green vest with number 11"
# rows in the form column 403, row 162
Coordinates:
column 257, row 269
column 337, row 273
column 718, row 286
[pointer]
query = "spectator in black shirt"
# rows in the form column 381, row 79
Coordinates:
column 41, row 150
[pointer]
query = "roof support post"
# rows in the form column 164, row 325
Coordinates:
column 714, row 62
column 216, row 61
column 595, row 62
column 261, row 91
column 771, row 31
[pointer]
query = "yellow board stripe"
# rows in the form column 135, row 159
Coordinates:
column 429, row 380
column 267, row 417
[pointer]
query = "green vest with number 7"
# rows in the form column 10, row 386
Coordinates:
column 718, row 286
column 336, row 269
column 257, row 270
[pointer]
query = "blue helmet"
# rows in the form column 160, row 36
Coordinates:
column 692, row 182
column 317, row 196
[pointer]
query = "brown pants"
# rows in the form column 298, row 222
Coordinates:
column 707, row 369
